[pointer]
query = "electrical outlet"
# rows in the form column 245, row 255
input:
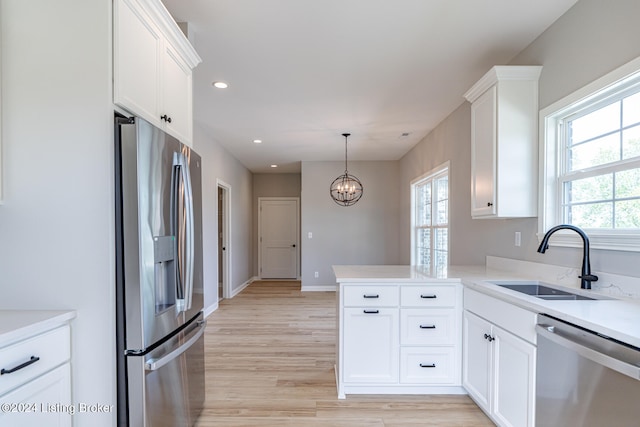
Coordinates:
column 316, row 274
column 310, row 235
column 518, row 238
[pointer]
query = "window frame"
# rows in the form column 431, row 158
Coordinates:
column 430, row 176
column 609, row 86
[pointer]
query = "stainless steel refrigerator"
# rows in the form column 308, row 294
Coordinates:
column 159, row 300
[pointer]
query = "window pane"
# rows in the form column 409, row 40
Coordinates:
column 628, row 184
column 589, row 189
column 593, row 153
column 441, row 249
column 599, row 122
column 423, row 238
column 631, row 142
column 441, row 239
column 594, row 215
column 631, row 110
column 443, row 188
column 627, row 214
column 423, row 205
column 442, row 203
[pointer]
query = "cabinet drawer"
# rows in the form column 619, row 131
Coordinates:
column 52, row 348
column 428, row 296
column 371, row 296
column 426, row 365
column 427, row 326
column 516, row 320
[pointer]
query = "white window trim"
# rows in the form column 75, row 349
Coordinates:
column 550, row 164
column 433, row 172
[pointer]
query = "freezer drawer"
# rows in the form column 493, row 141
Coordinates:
column 166, row 387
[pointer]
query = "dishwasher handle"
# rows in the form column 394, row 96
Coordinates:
column 549, row 332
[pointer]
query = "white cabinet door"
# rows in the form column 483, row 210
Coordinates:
column 137, row 50
column 514, row 379
column 177, row 95
column 370, row 342
column 477, row 359
column 504, row 113
column 483, row 154
column 45, row 401
column 153, row 66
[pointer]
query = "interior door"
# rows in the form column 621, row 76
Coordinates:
column 279, row 236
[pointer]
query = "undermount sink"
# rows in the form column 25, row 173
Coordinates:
column 540, row 290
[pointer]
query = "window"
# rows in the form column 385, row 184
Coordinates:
column 591, row 162
column 430, row 219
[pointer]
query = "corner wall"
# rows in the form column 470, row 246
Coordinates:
column 57, row 219
column 219, row 164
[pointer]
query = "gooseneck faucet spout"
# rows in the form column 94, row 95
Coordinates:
column 586, row 277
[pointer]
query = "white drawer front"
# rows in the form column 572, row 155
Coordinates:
column 428, row 296
column 371, row 296
column 428, row 365
column 516, row 320
column 52, row 348
column 427, row 326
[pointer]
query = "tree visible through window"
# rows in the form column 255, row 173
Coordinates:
column 430, row 238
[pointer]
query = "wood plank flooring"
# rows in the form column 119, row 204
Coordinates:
column 270, row 355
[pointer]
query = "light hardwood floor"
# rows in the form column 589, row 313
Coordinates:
column 270, row 353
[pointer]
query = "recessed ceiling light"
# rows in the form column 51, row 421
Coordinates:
column 274, row 166
column 220, row 85
column 257, row 141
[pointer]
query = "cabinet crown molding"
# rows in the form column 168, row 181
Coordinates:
column 171, row 30
column 503, row 73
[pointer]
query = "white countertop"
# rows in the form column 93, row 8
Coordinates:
column 15, row 325
column 616, row 318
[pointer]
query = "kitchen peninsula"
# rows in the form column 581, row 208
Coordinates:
column 406, row 330
column 399, row 331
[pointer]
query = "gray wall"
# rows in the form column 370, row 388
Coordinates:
column 365, row 233
column 219, row 164
column 271, row 185
column 591, row 39
column 57, row 220
column 469, row 239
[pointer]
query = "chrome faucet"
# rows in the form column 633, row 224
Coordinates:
column 586, row 277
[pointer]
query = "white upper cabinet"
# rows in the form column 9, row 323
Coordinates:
column 504, row 154
column 153, row 63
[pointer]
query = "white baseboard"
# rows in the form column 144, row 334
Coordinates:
column 240, row 288
column 207, row 311
column 318, row 288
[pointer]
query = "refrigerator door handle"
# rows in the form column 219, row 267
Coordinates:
column 185, row 230
column 189, row 231
column 155, row 364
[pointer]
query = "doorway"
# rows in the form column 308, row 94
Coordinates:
column 279, row 237
column 224, row 249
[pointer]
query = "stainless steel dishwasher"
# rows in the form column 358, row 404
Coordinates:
column 585, row 379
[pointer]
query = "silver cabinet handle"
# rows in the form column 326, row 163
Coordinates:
column 427, row 365
column 371, row 311
column 431, row 296
column 427, row 326
column 370, row 296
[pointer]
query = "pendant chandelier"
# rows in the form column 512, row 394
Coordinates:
column 346, row 189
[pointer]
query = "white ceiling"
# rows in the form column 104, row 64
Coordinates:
column 302, row 72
